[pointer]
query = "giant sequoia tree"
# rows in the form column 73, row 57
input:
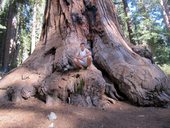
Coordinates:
column 47, row 73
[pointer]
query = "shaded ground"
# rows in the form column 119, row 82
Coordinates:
column 33, row 114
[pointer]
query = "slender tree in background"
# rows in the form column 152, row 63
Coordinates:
column 46, row 72
column 36, row 21
column 10, row 41
column 148, row 28
column 3, row 15
column 166, row 13
column 33, row 41
column 128, row 21
column 1, row 4
column 27, row 24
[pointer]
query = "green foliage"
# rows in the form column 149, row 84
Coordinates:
column 3, row 14
column 26, row 18
column 121, row 17
column 79, row 86
column 166, row 68
column 24, row 15
column 148, row 26
column 24, row 51
column 160, row 49
column 168, row 2
column 4, row 5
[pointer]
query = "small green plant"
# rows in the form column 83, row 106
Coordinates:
column 79, row 86
column 166, row 69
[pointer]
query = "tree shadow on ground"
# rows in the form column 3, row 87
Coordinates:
column 33, row 114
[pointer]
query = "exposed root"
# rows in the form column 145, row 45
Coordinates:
column 112, row 93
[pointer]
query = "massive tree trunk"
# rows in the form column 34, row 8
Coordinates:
column 48, row 73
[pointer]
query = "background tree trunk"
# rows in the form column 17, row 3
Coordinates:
column 128, row 21
column 47, row 72
column 166, row 14
column 0, row 4
column 34, row 28
column 10, row 40
column 2, row 45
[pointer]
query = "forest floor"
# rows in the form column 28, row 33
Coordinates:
column 33, row 114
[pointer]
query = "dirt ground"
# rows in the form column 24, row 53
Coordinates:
column 33, row 114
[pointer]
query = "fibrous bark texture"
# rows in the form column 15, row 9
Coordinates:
column 49, row 72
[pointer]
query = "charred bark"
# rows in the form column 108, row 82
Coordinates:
column 48, row 72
